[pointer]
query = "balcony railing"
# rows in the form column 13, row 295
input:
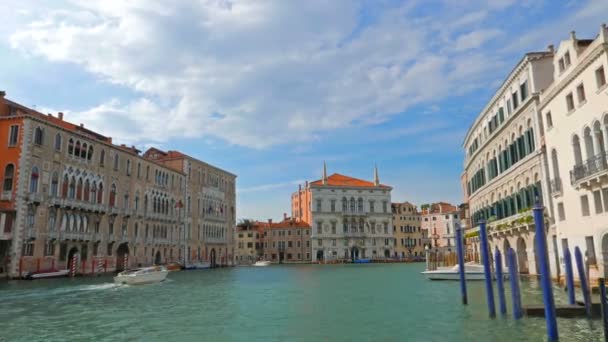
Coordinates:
column 34, row 197
column 593, row 166
column 556, row 186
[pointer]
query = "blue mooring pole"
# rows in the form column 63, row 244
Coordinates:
column 604, row 302
column 583, row 279
column 460, row 251
column 514, row 278
column 500, row 286
column 569, row 276
column 545, row 272
column 485, row 256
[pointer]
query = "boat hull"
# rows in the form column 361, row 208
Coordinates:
column 434, row 275
column 141, row 279
column 200, row 266
column 262, row 263
column 45, row 275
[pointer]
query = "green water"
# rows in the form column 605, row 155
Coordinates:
column 385, row 302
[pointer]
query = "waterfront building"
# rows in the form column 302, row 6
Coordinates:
column 407, row 231
column 439, row 221
column 288, row 241
column 505, row 164
column 248, row 242
column 209, row 206
column 70, row 194
column 350, row 217
column 574, row 112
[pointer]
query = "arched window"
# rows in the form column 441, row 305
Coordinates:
column 112, row 202
column 34, row 180
column 589, row 144
column 100, row 194
column 147, row 172
column 77, row 149
column 39, row 136
column 93, row 194
column 79, row 189
column 360, row 205
column 576, row 146
column 9, row 175
column 71, row 146
column 72, row 190
column 352, row 204
column 87, row 189
column 83, row 151
column 58, row 142
column 145, row 204
column 90, row 154
column 128, row 167
column 116, row 161
column 102, row 157
column 344, row 204
column 138, row 170
column 54, row 184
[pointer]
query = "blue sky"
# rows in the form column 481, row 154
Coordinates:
column 270, row 89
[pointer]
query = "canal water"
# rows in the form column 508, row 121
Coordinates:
column 380, row 302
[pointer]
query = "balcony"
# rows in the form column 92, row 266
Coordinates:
column 127, row 212
column 34, row 197
column 31, row 234
column 355, row 234
column 523, row 220
column 114, row 211
column 6, row 195
column 589, row 172
column 556, row 187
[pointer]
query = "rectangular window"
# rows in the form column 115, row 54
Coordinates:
column 597, row 199
column 523, row 90
column 515, row 100
column 570, row 102
column 13, row 135
column 590, row 250
column 561, row 212
column 585, row 205
column 600, row 77
column 318, row 205
column 605, row 195
column 567, row 59
column 319, row 242
column 580, row 92
column 549, row 120
column 561, row 65
column 501, row 115
column 509, row 110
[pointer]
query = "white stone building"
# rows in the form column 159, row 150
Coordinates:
column 350, row 218
column 574, row 110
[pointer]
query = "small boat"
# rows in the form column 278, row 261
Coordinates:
column 198, row 266
column 144, row 275
column 472, row 272
column 46, row 274
column 262, row 263
column 174, row 266
column 362, row 261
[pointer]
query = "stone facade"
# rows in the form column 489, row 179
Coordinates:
column 574, row 112
column 407, row 230
column 69, row 194
column 288, row 241
column 439, row 220
column 505, row 162
column 350, row 218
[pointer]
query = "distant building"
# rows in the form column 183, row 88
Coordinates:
column 248, row 243
column 288, row 241
column 407, row 230
column 439, row 221
column 350, row 217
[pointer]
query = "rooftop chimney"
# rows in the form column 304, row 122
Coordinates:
column 269, row 222
column 2, row 94
column 604, row 32
column 60, row 116
column 81, row 125
column 573, row 35
column 551, row 48
column 284, row 216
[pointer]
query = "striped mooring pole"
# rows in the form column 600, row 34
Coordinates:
column 73, row 266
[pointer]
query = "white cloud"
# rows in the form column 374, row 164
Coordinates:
column 252, row 73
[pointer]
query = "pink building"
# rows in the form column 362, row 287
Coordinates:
column 438, row 220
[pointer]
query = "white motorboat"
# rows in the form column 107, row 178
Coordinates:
column 47, row 274
column 262, row 263
column 145, row 275
column 472, row 272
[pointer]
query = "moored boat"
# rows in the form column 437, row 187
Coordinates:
column 262, row 263
column 46, row 274
column 144, row 275
column 198, row 266
column 174, row 266
column 472, row 272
